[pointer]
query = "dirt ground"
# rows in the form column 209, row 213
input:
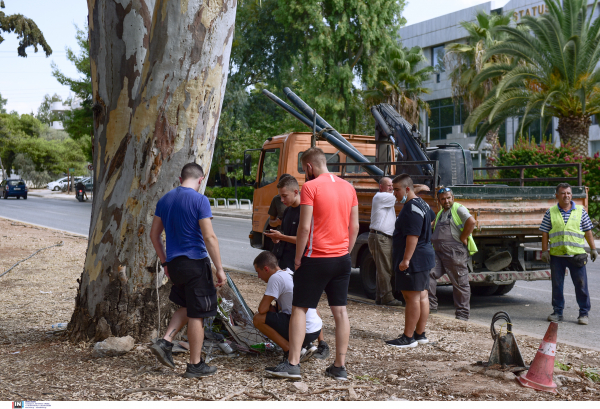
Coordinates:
column 37, row 365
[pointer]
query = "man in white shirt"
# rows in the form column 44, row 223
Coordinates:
column 274, row 320
column 383, row 218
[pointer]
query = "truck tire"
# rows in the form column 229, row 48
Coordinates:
column 484, row 291
column 368, row 274
column 504, row 289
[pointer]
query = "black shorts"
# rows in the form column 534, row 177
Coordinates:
column 280, row 322
column 417, row 281
column 316, row 275
column 193, row 286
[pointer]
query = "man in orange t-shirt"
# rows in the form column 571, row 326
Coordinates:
column 326, row 235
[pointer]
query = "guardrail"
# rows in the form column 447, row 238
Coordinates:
column 246, row 201
column 522, row 179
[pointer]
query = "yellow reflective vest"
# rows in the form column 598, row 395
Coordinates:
column 566, row 239
column 471, row 246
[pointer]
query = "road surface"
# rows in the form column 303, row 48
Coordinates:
column 528, row 303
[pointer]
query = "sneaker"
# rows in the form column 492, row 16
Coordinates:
column 322, row 351
column 285, row 370
column 337, row 373
column 583, row 320
column 461, row 318
column 554, row 317
column 421, row 338
column 307, row 353
column 403, row 342
column 199, row 370
column 285, row 356
column 162, row 349
column 394, row 303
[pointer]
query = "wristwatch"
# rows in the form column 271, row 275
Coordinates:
column 164, row 264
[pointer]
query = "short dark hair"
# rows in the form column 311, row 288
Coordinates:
column 192, row 171
column 405, row 180
column 314, row 154
column 289, row 182
column 285, row 175
column 264, row 259
column 562, row 186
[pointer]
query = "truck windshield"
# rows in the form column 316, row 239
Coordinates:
column 269, row 167
column 357, row 169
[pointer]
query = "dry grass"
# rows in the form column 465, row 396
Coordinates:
column 40, row 366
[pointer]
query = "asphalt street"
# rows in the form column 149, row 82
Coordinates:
column 528, row 303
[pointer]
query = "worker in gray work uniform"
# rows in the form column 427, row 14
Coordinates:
column 453, row 246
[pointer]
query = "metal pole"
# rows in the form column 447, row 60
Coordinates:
column 235, row 182
column 579, row 176
column 313, row 140
column 522, row 177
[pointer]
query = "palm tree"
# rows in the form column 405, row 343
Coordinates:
column 467, row 61
column 399, row 82
column 555, row 74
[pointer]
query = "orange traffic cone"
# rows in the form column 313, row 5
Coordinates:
column 540, row 372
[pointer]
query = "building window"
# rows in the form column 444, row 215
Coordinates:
column 444, row 115
column 595, row 148
column 534, row 133
column 437, row 58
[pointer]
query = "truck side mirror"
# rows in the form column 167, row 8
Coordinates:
column 247, row 164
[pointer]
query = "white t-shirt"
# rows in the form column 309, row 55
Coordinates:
column 383, row 213
column 281, row 287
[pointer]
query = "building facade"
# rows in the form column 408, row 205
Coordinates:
column 445, row 124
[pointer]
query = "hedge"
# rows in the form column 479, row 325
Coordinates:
column 244, row 192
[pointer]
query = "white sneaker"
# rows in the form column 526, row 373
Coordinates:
column 306, row 354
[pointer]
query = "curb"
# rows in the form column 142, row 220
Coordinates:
column 51, row 197
column 234, row 215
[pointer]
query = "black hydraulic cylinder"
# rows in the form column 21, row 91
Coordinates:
column 308, row 111
column 358, row 158
column 381, row 122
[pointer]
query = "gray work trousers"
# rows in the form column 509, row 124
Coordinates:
column 451, row 258
column 381, row 249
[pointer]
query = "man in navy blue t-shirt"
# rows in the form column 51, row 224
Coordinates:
column 185, row 215
column 413, row 258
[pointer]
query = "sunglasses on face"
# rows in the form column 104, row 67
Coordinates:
column 444, row 190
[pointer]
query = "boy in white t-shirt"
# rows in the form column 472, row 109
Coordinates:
column 274, row 320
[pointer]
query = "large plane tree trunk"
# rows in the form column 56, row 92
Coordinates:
column 159, row 69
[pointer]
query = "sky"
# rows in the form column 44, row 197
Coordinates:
column 25, row 81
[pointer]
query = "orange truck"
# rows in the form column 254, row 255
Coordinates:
column 507, row 217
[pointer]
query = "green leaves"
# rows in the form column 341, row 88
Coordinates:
column 556, row 73
column 26, row 30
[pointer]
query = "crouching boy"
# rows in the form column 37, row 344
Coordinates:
column 274, row 320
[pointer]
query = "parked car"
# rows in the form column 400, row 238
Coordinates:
column 13, row 188
column 57, row 184
column 88, row 183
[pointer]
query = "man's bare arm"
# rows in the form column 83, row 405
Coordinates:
column 156, row 238
column 353, row 228
column 265, row 304
column 212, row 246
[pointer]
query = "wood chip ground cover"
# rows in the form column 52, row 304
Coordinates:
column 38, row 366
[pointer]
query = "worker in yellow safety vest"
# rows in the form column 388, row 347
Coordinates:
column 567, row 228
column 453, row 244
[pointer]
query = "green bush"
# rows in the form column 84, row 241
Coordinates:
column 529, row 153
column 244, row 192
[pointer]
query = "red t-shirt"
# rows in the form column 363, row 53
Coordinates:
column 332, row 199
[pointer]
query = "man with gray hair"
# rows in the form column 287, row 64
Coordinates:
column 381, row 229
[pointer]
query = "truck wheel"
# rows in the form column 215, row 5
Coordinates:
column 368, row 274
column 504, row 289
column 484, row 291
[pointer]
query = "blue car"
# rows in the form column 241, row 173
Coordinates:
column 13, row 188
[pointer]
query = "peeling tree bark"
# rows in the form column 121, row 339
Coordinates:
column 159, row 70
